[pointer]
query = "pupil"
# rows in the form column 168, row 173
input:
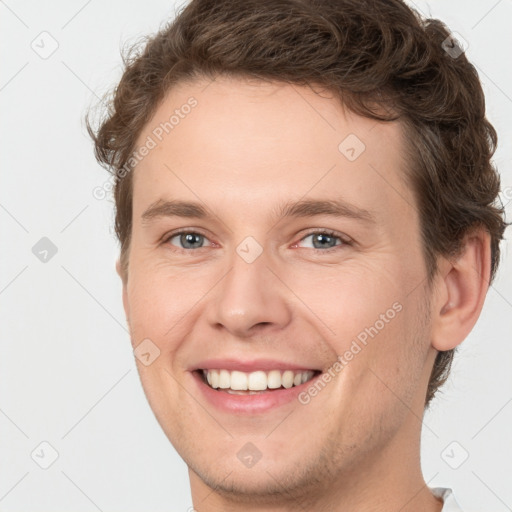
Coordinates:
column 189, row 239
column 322, row 237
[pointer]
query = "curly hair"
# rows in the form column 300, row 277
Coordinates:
column 379, row 57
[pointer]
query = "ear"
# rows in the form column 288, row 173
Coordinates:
column 125, row 294
column 460, row 291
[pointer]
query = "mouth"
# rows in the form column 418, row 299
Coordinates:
column 236, row 382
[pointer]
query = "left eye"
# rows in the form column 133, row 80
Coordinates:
column 324, row 240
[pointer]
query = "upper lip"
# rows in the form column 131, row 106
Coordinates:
column 250, row 365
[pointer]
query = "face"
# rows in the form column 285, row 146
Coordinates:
column 299, row 264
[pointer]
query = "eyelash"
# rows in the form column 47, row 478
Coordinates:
column 327, row 232
column 332, row 234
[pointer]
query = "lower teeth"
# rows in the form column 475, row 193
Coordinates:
column 244, row 392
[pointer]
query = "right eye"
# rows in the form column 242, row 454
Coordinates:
column 188, row 240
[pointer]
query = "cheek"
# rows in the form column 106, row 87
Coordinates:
column 390, row 367
column 161, row 301
column 354, row 298
column 372, row 322
column 378, row 386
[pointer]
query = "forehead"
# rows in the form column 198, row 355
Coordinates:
column 257, row 143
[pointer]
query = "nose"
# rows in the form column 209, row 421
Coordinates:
column 250, row 299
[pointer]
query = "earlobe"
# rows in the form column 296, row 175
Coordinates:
column 461, row 291
column 118, row 267
column 125, row 294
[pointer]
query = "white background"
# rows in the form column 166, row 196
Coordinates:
column 67, row 372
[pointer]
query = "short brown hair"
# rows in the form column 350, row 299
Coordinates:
column 379, row 57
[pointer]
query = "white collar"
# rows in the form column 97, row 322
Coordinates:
column 450, row 505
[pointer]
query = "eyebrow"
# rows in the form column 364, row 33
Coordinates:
column 299, row 209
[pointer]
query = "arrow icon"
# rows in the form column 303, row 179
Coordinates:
column 44, row 250
column 146, row 352
column 249, row 249
column 44, row 455
column 351, row 147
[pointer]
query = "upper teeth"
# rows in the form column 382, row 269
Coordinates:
column 256, row 381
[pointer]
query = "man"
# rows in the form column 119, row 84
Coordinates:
column 306, row 209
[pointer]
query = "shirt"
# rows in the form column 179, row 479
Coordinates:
column 450, row 505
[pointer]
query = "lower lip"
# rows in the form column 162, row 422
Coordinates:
column 251, row 404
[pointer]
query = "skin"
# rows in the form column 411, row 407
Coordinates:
column 245, row 148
